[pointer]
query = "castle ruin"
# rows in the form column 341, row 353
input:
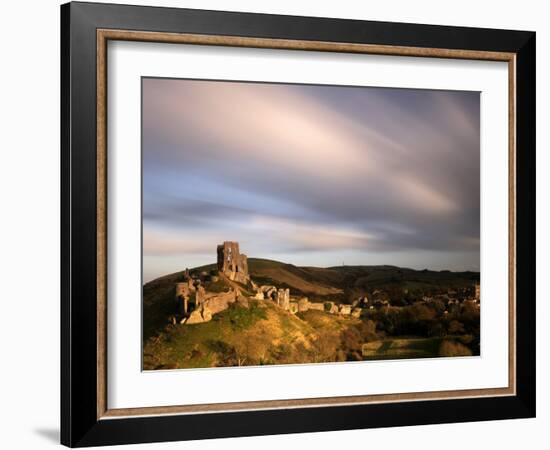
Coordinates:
column 197, row 304
column 232, row 263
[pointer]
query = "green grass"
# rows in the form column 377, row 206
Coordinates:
column 243, row 318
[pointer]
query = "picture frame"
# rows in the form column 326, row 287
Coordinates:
column 86, row 418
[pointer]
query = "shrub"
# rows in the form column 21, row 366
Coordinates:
column 325, row 347
column 456, row 327
column 436, row 329
column 281, row 353
column 227, row 355
column 419, row 311
column 367, row 330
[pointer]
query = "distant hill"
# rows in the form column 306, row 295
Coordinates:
column 335, row 280
column 344, row 283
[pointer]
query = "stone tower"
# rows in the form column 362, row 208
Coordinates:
column 231, row 263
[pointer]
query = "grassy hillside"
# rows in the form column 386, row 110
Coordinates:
column 259, row 334
column 347, row 282
column 301, row 280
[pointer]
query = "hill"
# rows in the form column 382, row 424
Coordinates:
column 345, row 282
column 258, row 333
column 339, row 283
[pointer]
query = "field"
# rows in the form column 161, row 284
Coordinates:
column 404, row 348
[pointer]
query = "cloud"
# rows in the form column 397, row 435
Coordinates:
column 303, row 236
column 299, row 168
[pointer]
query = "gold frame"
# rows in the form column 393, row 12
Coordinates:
column 104, row 35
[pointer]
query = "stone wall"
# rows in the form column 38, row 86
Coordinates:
column 283, row 298
column 345, row 309
column 303, row 304
column 210, row 304
column 316, row 306
column 267, row 292
column 183, row 293
column 220, row 302
column 279, row 296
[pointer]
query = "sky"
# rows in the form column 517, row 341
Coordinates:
column 310, row 175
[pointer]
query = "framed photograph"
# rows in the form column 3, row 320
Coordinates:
column 276, row 224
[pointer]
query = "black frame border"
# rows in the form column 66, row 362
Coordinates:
column 79, row 423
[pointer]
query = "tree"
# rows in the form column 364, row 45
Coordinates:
column 456, row 327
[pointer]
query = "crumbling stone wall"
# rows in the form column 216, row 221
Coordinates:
column 270, row 292
column 345, row 310
column 183, row 293
column 209, row 305
column 303, row 304
column 200, row 296
column 316, row 306
column 220, row 302
column 234, row 265
column 283, row 298
column 331, row 307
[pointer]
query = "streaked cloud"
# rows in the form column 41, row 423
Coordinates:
column 300, row 170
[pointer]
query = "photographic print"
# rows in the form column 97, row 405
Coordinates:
column 295, row 223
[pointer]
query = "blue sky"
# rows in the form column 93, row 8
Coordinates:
column 310, row 175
